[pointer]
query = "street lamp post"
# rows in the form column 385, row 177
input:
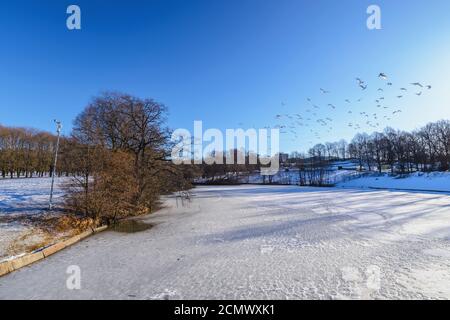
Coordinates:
column 58, row 130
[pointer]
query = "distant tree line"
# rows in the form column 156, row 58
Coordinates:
column 210, row 172
column 426, row 149
column 25, row 152
column 314, row 166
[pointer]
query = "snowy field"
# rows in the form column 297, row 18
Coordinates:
column 27, row 196
column 20, row 198
column 436, row 181
column 261, row 242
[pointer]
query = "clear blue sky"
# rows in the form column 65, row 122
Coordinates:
column 225, row 61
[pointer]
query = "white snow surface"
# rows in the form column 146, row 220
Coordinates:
column 262, row 242
column 27, row 196
column 436, row 181
column 23, row 197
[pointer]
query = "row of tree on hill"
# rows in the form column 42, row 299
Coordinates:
column 25, row 152
column 426, row 149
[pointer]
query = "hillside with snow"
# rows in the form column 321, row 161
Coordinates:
column 436, row 181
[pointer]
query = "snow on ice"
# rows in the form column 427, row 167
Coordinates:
column 276, row 242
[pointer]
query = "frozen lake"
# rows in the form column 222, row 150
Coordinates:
column 262, row 242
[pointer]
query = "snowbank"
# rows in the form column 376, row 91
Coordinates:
column 437, row 181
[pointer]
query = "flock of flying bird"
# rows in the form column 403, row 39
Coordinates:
column 309, row 118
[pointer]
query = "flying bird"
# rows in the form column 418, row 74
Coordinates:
column 324, row 91
column 418, row 84
column 382, row 76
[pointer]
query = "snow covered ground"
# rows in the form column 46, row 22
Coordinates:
column 27, row 196
column 20, row 198
column 262, row 242
column 436, row 181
